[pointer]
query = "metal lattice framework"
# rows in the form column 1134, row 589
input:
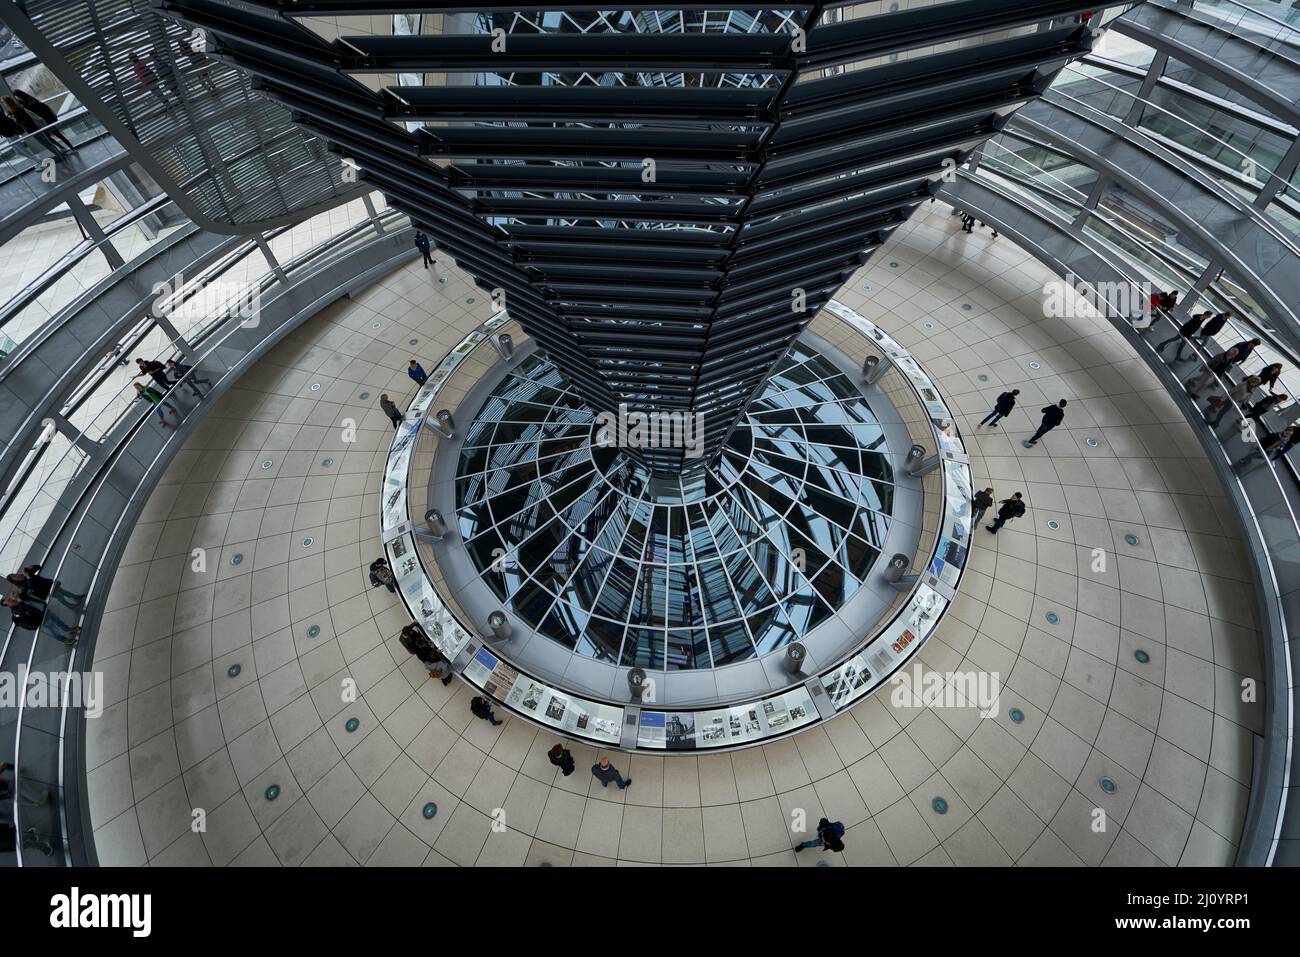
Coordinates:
column 665, row 199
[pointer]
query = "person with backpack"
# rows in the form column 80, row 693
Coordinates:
column 482, row 708
column 381, row 574
column 1013, row 507
column 981, row 502
column 1053, row 415
column 1001, row 409
column 416, row 641
column 829, row 835
column 562, row 759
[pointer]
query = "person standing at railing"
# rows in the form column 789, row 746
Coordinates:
column 12, row 133
column 43, row 112
column 29, row 616
column 417, row 373
column 30, row 124
column 390, row 410
column 154, row 397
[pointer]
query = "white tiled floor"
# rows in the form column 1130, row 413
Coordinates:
column 180, row 734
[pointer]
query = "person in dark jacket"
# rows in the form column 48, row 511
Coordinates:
column 179, row 372
column 13, row 133
column 981, row 503
column 607, row 774
column 27, row 615
column 416, row 641
column 30, row 124
column 390, row 410
column 31, row 584
column 1269, row 374
column 1270, row 444
column 43, row 112
column 422, row 244
column 1013, row 507
column 482, row 708
column 1212, row 327
column 562, row 759
column 154, row 370
column 1217, row 367
column 1001, row 409
column 1263, row 406
column 1053, row 415
column 828, row 837
column 1287, row 444
column 1244, row 349
column 1184, row 333
column 416, row 372
column 381, row 574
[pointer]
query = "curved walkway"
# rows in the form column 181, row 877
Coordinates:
column 1172, row 733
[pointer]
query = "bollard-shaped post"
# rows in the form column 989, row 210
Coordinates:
column 795, row 655
column 436, row 524
column 894, row 573
column 446, row 425
column 500, row 625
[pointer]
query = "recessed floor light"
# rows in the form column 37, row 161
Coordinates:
column 940, row 806
column 1107, row 785
column 273, row 792
column 352, row 725
column 1016, row 715
column 1052, row 617
column 430, row 810
column 1053, row 524
column 233, row 671
column 1131, row 538
column 313, row 631
column 1035, row 365
column 1142, row 657
column 315, row 387
column 267, row 464
column 236, row 558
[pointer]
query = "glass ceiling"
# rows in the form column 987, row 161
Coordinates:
column 756, row 551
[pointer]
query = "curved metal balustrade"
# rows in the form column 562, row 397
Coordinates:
column 83, row 538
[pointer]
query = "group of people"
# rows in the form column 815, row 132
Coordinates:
column 29, row 599
column 389, row 407
column 1053, row 415
column 22, row 114
column 165, row 376
column 1200, row 329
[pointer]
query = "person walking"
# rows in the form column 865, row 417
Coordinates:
column 1220, row 405
column 482, row 708
column 981, row 503
column 30, row 124
column 1270, row 445
column 179, row 372
column 1263, row 406
column 607, row 774
column 416, row 372
column 1184, row 333
column 154, row 398
column 1216, row 367
column 27, row 615
column 46, row 115
column 154, row 370
column 829, row 837
column 381, row 574
column 1244, row 349
column 391, row 410
column 13, row 134
column 422, row 244
column 562, row 759
column 1001, row 409
column 1053, row 415
column 149, row 79
column 1013, row 507
column 1268, row 376
column 1211, row 328
column 1287, row 444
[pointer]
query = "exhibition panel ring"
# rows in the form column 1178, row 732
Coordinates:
column 833, row 626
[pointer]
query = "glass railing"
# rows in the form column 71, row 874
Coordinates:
column 1273, row 25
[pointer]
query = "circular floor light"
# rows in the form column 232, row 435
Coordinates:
column 307, row 542
column 1142, row 657
column 352, row 725
column 967, row 306
column 327, row 462
column 1107, row 785
column 1053, row 524
column 267, row 463
column 273, row 792
column 414, row 342
column 1093, row 442
column 429, row 811
column 1052, row 617
column 1131, row 538
column 940, row 805
column 1016, row 715
column 374, row 325
column 234, row 670
column 1035, row 365
column 236, row 558
column 313, row 631
column 364, row 395
column 983, row 377
column 315, row 387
